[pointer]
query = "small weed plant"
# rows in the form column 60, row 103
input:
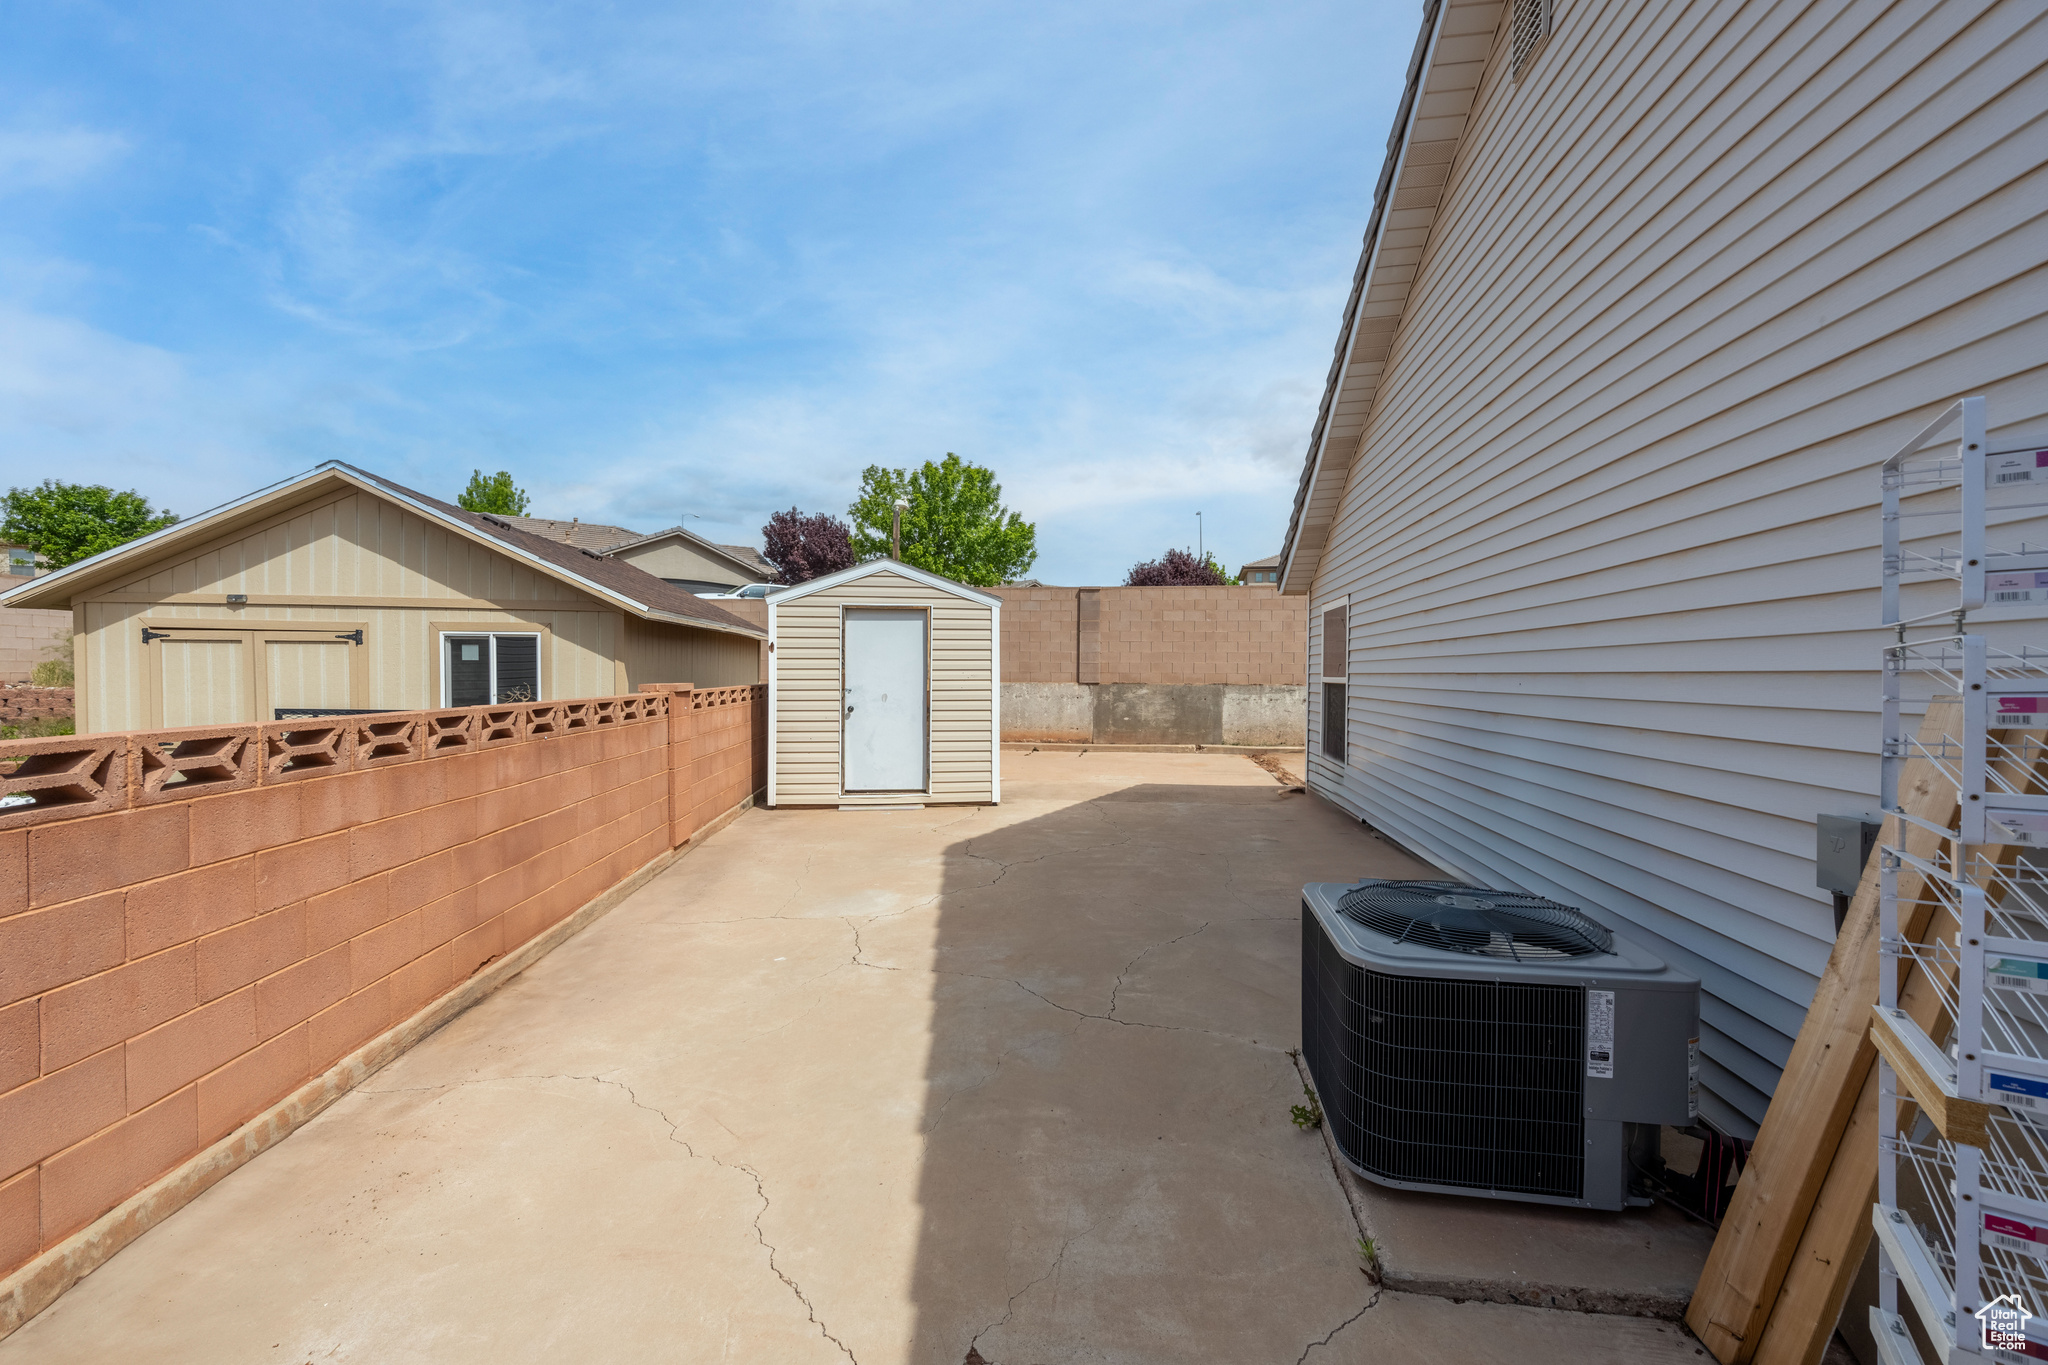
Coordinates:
column 1308, row 1115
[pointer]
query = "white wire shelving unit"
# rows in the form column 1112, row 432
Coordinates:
column 1962, row 1017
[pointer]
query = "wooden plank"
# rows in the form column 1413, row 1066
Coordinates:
column 1923, row 1077
column 1833, row 1053
column 1823, row 1265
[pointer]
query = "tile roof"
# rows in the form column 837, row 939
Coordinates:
column 615, row 574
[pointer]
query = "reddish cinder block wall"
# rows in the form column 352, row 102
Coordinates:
column 1249, row 635
column 194, row 923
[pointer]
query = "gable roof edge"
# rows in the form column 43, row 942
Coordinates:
column 870, row 566
column 1419, row 64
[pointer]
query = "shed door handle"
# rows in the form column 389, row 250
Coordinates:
column 849, row 709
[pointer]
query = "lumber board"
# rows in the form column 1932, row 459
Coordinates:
column 1830, row 1059
column 1955, row 1117
column 1831, row 1246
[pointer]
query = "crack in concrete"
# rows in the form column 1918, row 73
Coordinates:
column 1331, row 1335
column 675, row 1135
column 1130, row 966
column 1010, row 1308
column 1003, row 868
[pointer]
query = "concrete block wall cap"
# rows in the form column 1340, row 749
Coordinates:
column 378, row 741
column 287, row 750
column 66, row 776
column 197, row 760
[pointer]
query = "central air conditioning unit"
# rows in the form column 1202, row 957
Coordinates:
column 1491, row 1043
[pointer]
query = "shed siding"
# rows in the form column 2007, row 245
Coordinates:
column 354, row 559
column 808, row 691
column 1610, row 533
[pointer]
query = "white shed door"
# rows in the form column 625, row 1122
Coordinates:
column 884, row 733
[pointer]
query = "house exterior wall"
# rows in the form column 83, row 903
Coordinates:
column 658, row 653
column 808, row 692
column 1609, row 537
column 676, row 558
column 357, row 560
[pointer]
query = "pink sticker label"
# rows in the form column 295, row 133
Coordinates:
column 2012, row 1227
column 2015, row 705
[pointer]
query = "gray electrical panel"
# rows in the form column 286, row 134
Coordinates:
column 1841, row 848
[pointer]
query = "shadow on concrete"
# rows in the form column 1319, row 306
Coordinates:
column 1109, row 1171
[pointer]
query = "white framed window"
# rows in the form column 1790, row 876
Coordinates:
column 1336, row 675
column 489, row 668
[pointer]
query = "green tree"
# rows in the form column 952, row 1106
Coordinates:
column 496, row 493
column 956, row 524
column 66, row 522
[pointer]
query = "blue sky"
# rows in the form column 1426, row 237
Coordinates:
column 707, row 261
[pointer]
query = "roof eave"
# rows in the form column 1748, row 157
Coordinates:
column 1296, row 578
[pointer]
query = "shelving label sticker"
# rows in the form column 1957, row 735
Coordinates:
column 2015, row 466
column 2011, row 589
column 2016, row 1092
column 1600, row 1034
column 2012, row 709
column 2014, row 1235
column 2017, row 974
column 2029, row 827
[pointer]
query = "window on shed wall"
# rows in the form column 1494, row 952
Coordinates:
column 1528, row 26
column 1336, row 673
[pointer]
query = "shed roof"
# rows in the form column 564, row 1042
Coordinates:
column 633, row 590
column 875, row 566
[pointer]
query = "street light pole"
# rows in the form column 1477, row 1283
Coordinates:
column 896, row 531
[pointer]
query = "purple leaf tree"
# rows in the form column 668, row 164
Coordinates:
column 1178, row 569
column 802, row 548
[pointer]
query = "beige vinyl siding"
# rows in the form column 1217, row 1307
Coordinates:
column 677, row 558
column 356, row 558
column 658, row 653
column 808, row 691
column 1610, row 534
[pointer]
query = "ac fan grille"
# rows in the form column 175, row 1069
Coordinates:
column 1466, row 1084
column 1452, row 917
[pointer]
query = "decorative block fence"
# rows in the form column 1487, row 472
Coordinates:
column 194, row 923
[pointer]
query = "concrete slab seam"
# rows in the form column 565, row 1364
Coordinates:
column 1520, row 1293
column 41, row 1281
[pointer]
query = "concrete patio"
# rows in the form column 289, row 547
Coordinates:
column 888, row 1086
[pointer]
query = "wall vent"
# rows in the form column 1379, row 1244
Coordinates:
column 1528, row 26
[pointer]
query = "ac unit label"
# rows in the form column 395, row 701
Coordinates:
column 1600, row 1035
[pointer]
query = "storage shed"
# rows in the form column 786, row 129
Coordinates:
column 883, row 690
column 340, row 591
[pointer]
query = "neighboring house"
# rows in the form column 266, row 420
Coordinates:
column 338, row 590
column 27, row 638
column 688, row 561
column 1265, row 570
column 18, row 561
column 584, row 535
column 1588, row 520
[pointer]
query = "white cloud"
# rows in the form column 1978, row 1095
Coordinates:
column 45, row 158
